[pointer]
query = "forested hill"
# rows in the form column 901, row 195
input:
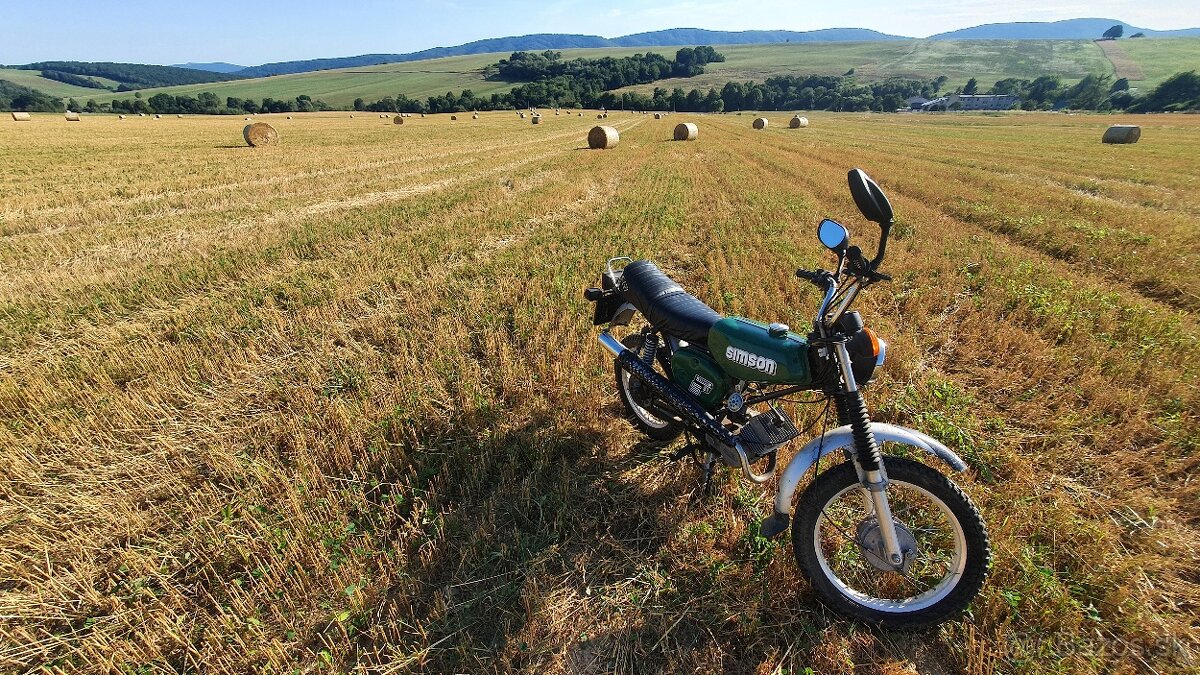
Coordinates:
column 127, row 76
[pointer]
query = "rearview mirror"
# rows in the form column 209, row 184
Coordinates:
column 869, row 197
column 833, row 235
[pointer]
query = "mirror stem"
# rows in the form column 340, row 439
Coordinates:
column 885, row 229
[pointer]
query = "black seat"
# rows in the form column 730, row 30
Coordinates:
column 666, row 305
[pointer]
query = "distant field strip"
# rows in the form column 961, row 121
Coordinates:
column 1122, row 64
column 337, row 405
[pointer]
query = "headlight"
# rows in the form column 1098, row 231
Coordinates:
column 867, row 352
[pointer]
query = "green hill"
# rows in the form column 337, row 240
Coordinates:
column 1160, row 59
column 34, row 80
column 986, row 60
column 959, row 60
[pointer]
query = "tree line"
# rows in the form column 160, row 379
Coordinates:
column 71, row 78
column 606, row 72
column 206, row 103
column 130, row 76
column 1180, row 92
column 17, row 97
column 811, row 92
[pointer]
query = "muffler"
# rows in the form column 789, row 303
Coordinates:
column 716, row 435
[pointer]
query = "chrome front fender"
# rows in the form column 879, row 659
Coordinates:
column 838, row 439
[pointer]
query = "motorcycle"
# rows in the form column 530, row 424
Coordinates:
column 881, row 538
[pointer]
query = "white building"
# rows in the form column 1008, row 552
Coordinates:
column 972, row 102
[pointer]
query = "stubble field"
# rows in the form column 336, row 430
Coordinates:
column 337, row 405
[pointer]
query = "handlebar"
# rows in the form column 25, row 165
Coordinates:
column 827, row 282
column 824, row 281
column 818, row 278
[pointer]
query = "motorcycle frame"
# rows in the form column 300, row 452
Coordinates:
column 874, row 483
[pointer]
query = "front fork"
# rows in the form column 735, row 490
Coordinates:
column 867, row 458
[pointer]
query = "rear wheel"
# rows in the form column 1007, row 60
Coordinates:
column 837, row 543
column 636, row 398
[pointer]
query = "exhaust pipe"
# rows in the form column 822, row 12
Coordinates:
column 731, row 449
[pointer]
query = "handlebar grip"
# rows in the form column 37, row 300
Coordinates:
column 819, row 278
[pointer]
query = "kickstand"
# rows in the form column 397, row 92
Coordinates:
column 683, row 452
column 710, row 463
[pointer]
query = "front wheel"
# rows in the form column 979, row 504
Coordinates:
column 836, row 540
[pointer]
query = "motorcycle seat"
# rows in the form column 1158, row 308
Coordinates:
column 666, row 305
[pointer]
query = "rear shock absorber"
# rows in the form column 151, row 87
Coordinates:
column 649, row 348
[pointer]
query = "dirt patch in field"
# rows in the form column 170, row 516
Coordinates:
column 1122, row 64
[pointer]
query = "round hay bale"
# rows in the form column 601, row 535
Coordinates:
column 603, row 138
column 522, row 115
column 120, row 117
column 658, row 116
column 1122, row 133
column 398, row 120
column 798, row 122
column 686, row 131
column 179, row 116
column 72, row 116
column 581, row 114
column 537, row 119
column 289, row 117
column 141, row 114
column 351, row 117
column 21, row 117
column 760, row 123
column 159, row 117
column 454, row 118
column 474, row 117
column 260, row 134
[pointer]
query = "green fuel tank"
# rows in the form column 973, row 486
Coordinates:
column 752, row 351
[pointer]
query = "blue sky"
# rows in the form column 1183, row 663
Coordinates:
column 251, row 32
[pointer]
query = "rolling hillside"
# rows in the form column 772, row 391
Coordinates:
column 1160, row 59
column 986, row 60
column 674, row 37
column 1072, row 29
column 34, row 80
